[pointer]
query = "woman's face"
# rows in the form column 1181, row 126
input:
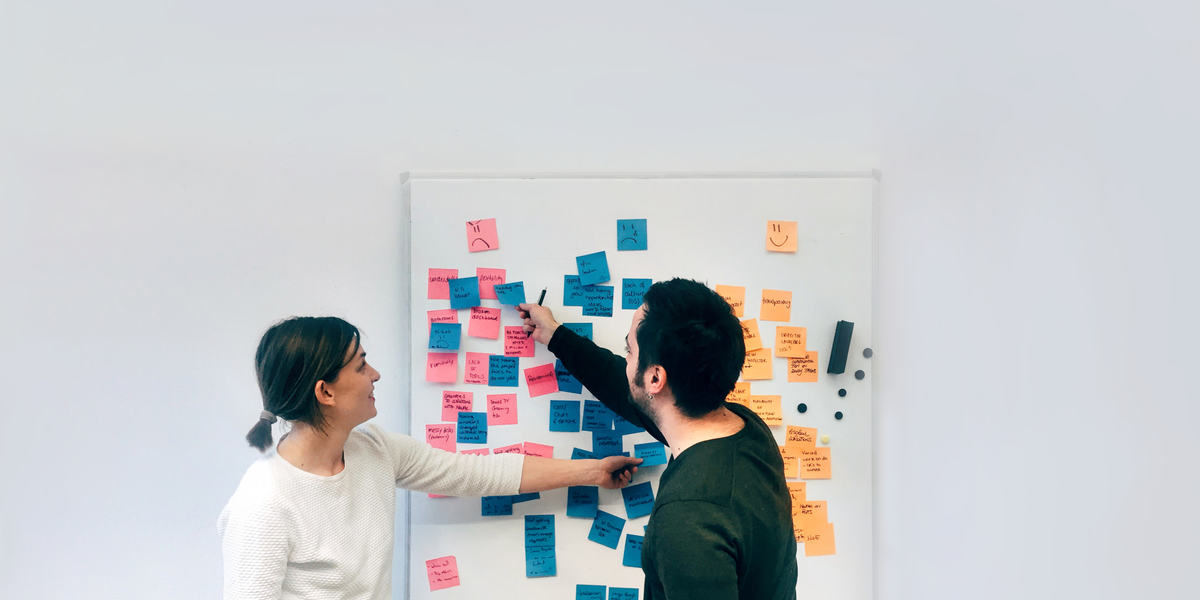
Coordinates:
column 354, row 390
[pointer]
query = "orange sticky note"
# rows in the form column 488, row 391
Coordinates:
column 442, row 572
column 801, row 438
column 797, row 490
column 454, row 403
column 769, row 408
column 477, row 368
column 740, row 393
column 516, row 343
column 750, row 334
column 441, row 367
column 482, row 236
column 811, row 512
column 803, row 369
column 776, row 306
column 532, row 449
column 791, row 463
column 488, row 278
column 439, row 283
column 757, row 364
column 484, row 323
column 790, row 341
column 441, row 435
column 815, row 464
column 735, row 295
column 501, row 409
column 781, row 236
column 818, row 540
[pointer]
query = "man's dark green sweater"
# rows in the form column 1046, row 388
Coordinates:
column 722, row 522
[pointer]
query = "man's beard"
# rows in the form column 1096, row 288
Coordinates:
column 641, row 399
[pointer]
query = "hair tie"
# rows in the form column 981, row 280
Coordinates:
column 267, row 416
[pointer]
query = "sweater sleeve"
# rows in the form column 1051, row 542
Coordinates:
column 694, row 552
column 602, row 373
column 254, row 549
column 421, row 467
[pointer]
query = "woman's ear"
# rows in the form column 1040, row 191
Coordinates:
column 323, row 393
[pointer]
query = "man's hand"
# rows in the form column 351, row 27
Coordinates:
column 538, row 320
column 616, row 471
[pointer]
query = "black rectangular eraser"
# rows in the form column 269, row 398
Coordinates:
column 841, row 347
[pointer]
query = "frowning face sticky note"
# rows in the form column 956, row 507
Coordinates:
column 750, row 334
column 631, row 234
column 803, row 369
column 776, row 306
column 735, row 295
column 757, row 365
column 791, row 341
column 482, row 236
column 781, row 236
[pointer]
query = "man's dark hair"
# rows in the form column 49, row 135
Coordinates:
column 692, row 333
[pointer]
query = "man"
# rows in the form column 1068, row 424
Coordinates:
column 721, row 525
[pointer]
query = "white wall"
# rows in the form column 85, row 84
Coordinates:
column 175, row 178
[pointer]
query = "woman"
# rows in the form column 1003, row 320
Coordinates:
column 315, row 519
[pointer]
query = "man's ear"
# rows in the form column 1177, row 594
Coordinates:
column 323, row 393
column 654, row 379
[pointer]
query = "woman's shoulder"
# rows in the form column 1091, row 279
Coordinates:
column 377, row 438
column 258, row 496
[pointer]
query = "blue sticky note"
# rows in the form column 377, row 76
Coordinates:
column 583, row 501
column 583, row 329
column 572, row 291
column 541, row 567
column 633, row 551
column 639, row 499
column 631, row 234
column 539, row 546
column 590, row 592
column 606, row 443
column 593, row 268
column 598, row 301
column 472, row 427
column 444, row 336
column 606, row 529
column 578, row 453
column 464, row 292
column 564, row 415
column 596, row 416
column 617, row 593
column 502, row 370
column 566, row 381
column 651, row 453
column 511, row 294
column 494, row 506
column 526, row 497
column 632, row 291
column 623, row 427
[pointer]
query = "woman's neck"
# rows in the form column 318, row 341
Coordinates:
column 310, row 450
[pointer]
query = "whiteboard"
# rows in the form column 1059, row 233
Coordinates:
column 708, row 227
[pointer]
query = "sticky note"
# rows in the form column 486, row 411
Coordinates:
column 526, row 497
column 510, row 449
column 769, row 408
column 566, row 381
column 564, row 415
column 606, row 529
column 484, row 323
column 441, row 367
column 477, row 367
column 651, row 453
column 633, row 551
column 616, row 593
column 440, row 435
column 476, row 451
column 639, row 499
column 583, row 329
column 791, row 462
column 750, row 334
column 582, row 501
column 444, row 336
column 801, row 438
column 598, row 301
column 757, row 365
column 811, row 512
column 511, row 294
column 495, row 506
column 791, row 341
column 818, row 541
column 580, row 453
column 815, row 464
column 776, row 306
column 541, row 380
column 439, row 288
column 596, row 416
column 803, row 369
column 797, row 490
column 454, row 403
column 446, row 315
column 781, row 236
column 624, row 427
column 442, row 572
column 590, row 592
column 464, row 292
column 535, row 449
column 472, row 428
column 631, row 234
column 501, row 409
column 572, row 291
column 488, row 280
column 632, row 291
column 482, row 235
column 502, row 371
column 735, row 295
column 593, row 268
column 740, row 393
column 516, row 343
column 539, row 546
column 606, row 443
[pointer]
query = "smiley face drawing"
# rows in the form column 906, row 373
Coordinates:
column 781, row 236
column 481, row 235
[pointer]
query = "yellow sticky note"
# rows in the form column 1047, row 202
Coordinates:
column 781, row 236
column 757, row 365
column 750, row 334
column 740, row 393
column 791, row 465
column 803, row 369
column 818, row 540
column 790, row 341
column 770, row 408
column 801, row 438
column 776, row 305
column 815, row 464
column 735, row 295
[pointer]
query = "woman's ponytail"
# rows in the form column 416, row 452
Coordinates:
column 260, row 435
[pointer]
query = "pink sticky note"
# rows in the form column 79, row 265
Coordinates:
column 502, row 409
column 485, row 323
column 441, row 367
column 448, row 315
column 541, row 380
column 532, row 449
column 488, row 279
column 516, row 343
column 513, row 449
column 477, row 368
column 439, row 283
column 454, row 403
column 482, row 236
column 443, row 572
column 478, row 451
column 440, row 435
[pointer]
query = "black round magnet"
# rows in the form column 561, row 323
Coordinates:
column 802, row 407
column 867, row 352
column 838, row 415
column 859, row 374
column 842, row 392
